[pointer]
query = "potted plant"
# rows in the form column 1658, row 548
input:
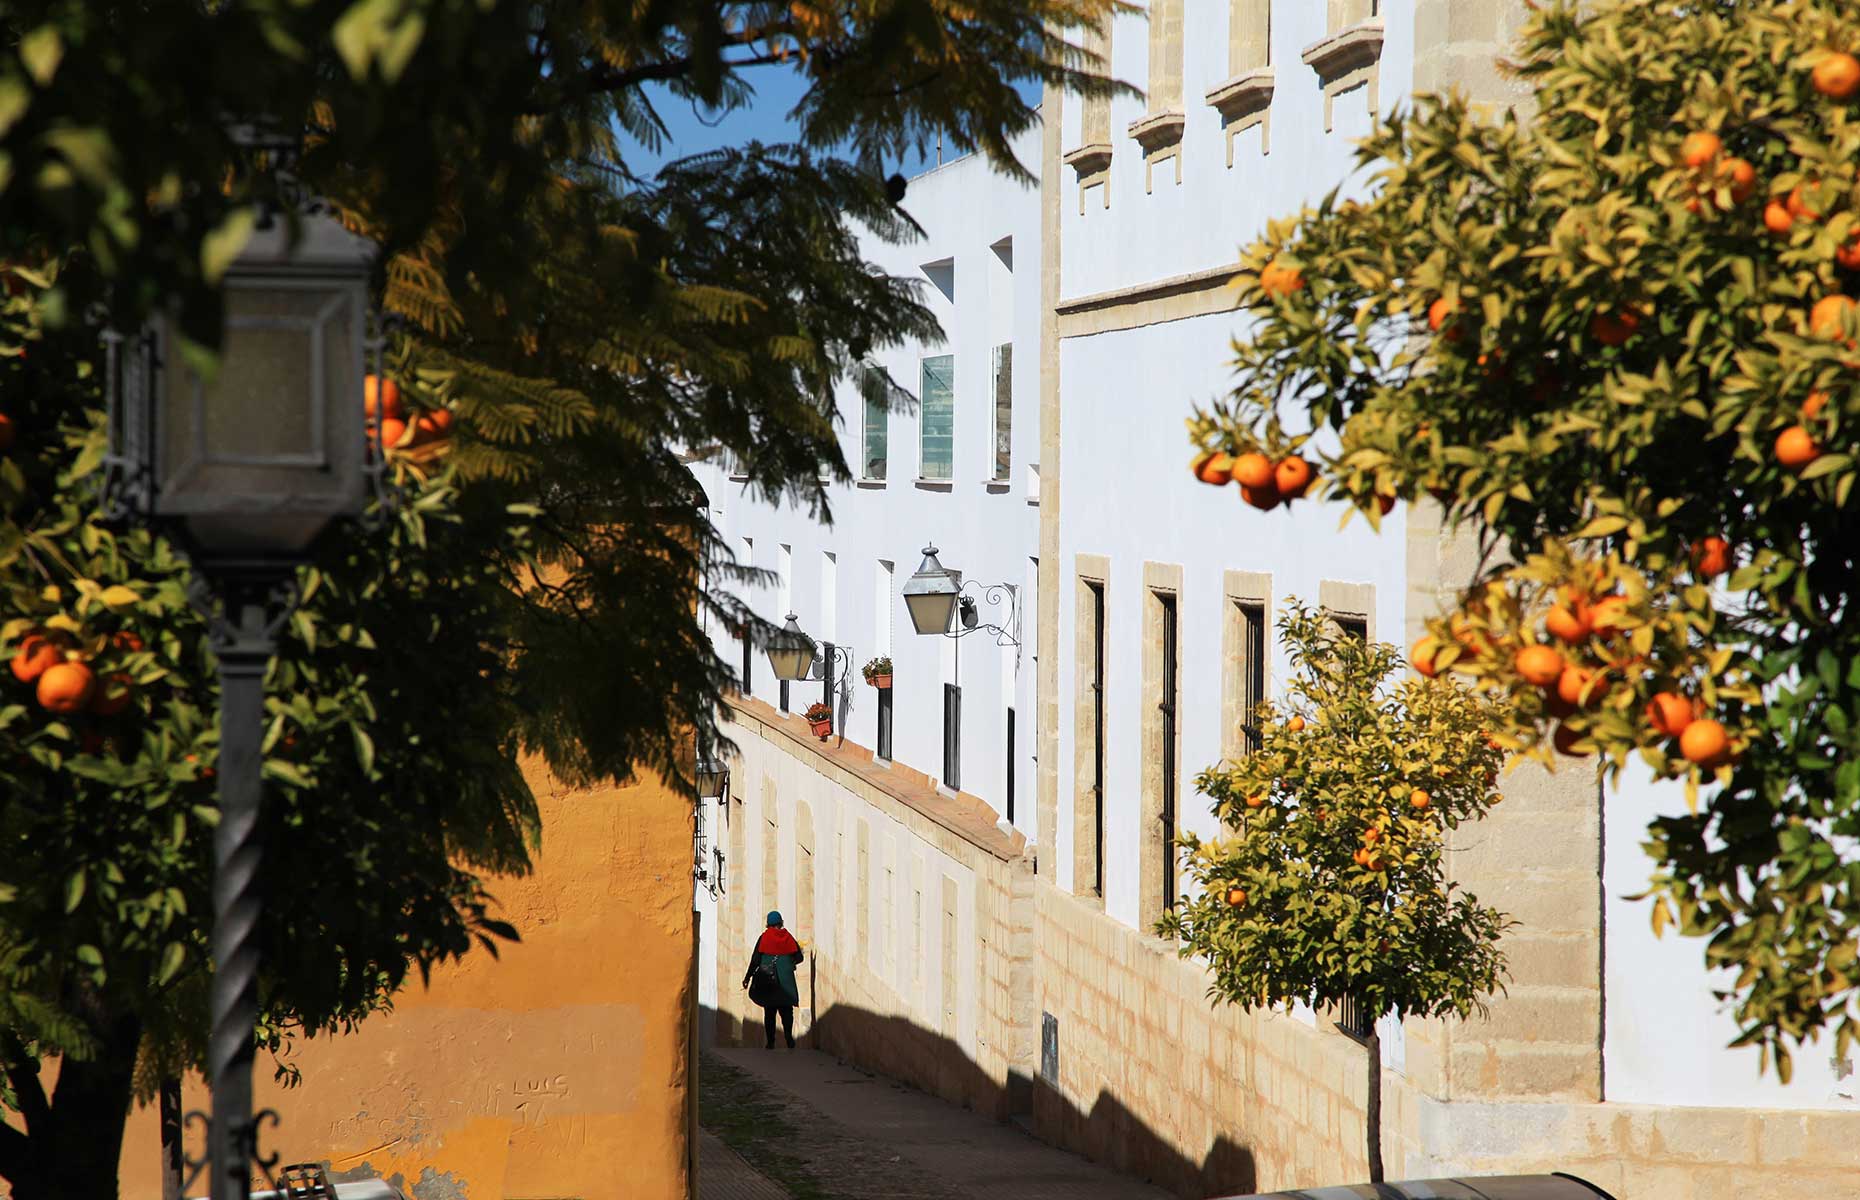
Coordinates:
column 820, row 719
column 878, row 672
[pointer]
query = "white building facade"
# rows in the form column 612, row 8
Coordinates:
column 979, row 883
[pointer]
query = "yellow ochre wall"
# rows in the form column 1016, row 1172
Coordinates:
column 558, row 1071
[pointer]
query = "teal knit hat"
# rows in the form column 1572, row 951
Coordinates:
column 774, row 919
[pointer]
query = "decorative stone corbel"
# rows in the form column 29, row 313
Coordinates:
column 1093, row 164
column 1160, row 135
column 1243, row 102
column 1345, row 59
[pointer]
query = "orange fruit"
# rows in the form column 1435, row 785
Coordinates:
column 1608, row 614
column 433, row 425
column 1776, row 217
column 1423, row 663
column 1293, row 476
column 1296, row 725
column 1280, row 279
column 1705, row 742
column 1565, row 740
column 381, row 398
column 6, row 433
column 1826, row 318
column 66, row 687
column 1711, row 557
column 1739, row 176
column 1848, row 256
column 1567, row 626
column 1215, row 467
column 1263, row 498
column 1372, row 835
column 1811, row 407
column 1614, row 328
column 1700, row 147
column 1438, row 314
column 1572, row 684
column 126, row 641
column 1837, row 76
column 1253, row 470
column 1539, row 665
column 1798, row 207
column 112, row 696
column 1419, row 799
column 1669, row 713
column 1236, row 897
column 393, row 432
column 1256, row 800
column 1796, row 447
column 1362, row 857
column 36, row 655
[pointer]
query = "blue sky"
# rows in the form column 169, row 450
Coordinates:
column 765, row 118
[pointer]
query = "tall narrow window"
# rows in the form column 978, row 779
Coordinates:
column 1097, row 736
column 1010, row 764
column 937, row 418
column 1004, row 409
column 749, row 658
column 952, row 736
column 1252, row 671
column 1166, row 709
column 883, row 708
column 784, row 695
column 876, row 450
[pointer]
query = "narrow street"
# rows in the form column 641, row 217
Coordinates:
column 802, row 1126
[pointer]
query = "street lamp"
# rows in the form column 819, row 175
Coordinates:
column 791, row 652
column 930, row 595
column 244, row 467
column 713, row 779
column 934, row 597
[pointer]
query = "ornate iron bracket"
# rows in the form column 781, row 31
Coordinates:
column 246, row 1138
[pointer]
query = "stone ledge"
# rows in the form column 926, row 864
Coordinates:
column 965, row 815
column 1348, row 50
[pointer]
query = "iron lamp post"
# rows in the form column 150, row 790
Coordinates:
column 244, row 466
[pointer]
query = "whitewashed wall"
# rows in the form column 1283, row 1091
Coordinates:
column 985, row 530
column 1125, row 488
column 1667, row 1036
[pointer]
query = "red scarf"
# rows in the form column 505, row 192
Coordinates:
column 776, row 940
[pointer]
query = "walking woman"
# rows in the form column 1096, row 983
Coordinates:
column 770, row 979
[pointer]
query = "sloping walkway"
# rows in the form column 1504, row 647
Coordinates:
column 822, row 1130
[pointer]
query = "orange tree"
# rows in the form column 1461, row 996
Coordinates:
column 1328, row 884
column 1616, row 343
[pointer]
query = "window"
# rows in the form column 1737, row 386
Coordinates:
column 784, row 695
column 1354, row 1020
column 884, row 724
column 1252, row 668
column 1004, row 410
column 1096, row 684
column 1166, row 709
column 1356, row 627
column 937, row 419
column 876, row 391
column 1010, row 764
column 749, row 658
column 952, row 736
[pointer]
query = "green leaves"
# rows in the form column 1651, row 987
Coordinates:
column 1329, row 881
column 1642, row 340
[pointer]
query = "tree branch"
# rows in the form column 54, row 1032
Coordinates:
column 22, row 1073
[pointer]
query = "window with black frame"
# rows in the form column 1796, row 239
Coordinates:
column 952, row 736
column 1252, row 671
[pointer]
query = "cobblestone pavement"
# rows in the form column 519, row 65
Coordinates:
column 813, row 1128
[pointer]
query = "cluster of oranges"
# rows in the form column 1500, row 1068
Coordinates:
column 1580, row 653
column 381, row 401
column 64, row 683
column 1264, row 484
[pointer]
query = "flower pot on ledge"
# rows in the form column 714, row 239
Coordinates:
column 821, row 728
column 881, row 682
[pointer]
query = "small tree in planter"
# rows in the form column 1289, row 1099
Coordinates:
column 1329, row 886
column 820, row 719
column 878, row 671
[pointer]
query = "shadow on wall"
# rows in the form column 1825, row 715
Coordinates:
column 1110, row 1133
